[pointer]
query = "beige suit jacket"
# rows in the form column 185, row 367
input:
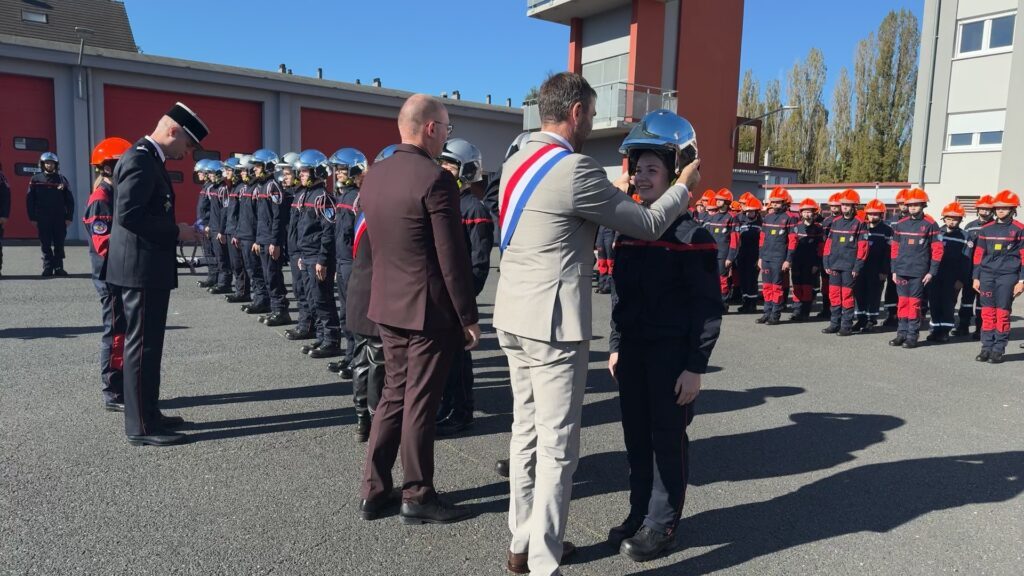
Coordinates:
column 544, row 287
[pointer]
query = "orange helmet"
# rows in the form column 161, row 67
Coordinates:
column 1006, row 199
column 954, row 209
column 984, row 202
column 861, row 214
column 901, row 196
column 735, row 206
column 875, row 206
column 109, row 150
column 724, row 194
column 753, row 203
column 833, row 200
column 916, row 196
column 746, row 196
column 849, row 196
column 808, row 204
column 708, row 198
column 780, row 194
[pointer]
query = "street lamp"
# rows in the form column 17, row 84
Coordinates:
column 82, row 32
column 732, row 138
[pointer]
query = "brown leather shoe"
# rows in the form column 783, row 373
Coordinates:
column 517, row 562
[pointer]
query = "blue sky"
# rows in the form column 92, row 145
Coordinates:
column 478, row 47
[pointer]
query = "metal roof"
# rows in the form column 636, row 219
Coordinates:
column 56, row 20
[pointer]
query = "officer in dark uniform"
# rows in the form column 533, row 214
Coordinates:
column 5, row 213
column 465, row 162
column 660, row 346
column 99, row 214
column 142, row 267
column 348, row 165
column 245, row 234
column 315, row 231
column 233, row 180
column 273, row 209
column 285, row 174
column 51, row 205
column 202, row 172
column 218, row 197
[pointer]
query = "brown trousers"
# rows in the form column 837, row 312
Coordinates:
column 416, row 366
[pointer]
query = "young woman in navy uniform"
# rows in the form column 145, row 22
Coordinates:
column 998, row 274
column 667, row 312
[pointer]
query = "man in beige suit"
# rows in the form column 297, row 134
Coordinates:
column 542, row 311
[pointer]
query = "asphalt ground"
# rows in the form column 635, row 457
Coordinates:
column 810, row 455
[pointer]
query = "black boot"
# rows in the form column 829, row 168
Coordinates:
column 325, row 351
column 983, row 356
column 236, row 298
column 860, row 324
column 830, row 329
column 501, row 467
column 762, row 319
column 627, row 529
column 307, row 348
column 647, row 544
column 995, row 358
column 278, row 319
column 897, row 341
column 362, row 427
column 297, row 334
column 219, row 290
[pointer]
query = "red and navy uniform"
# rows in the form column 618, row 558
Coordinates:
column 666, row 318
column 846, row 249
column 806, row 248
column 877, row 268
column 99, row 213
column 723, row 228
column 998, row 264
column 774, row 250
column 916, row 252
column 969, row 298
column 890, row 298
column 955, row 268
column 746, row 259
column 605, row 245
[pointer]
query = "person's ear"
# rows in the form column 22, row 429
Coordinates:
column 576, row 112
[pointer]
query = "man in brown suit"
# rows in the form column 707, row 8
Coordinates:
column 422, row 298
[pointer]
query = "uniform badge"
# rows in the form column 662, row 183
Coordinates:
column 910, row 240
column 997, row 247
column 275, row 197
column 99, row 227
column 970, row 244
column 842, row 239
column 329, row 214
column 225, row 201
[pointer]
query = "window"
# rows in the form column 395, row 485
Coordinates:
column 975, row 131
column 37, row 17
column 28, row 143
column 614, row 69
column 198, row 155
column 990, row 35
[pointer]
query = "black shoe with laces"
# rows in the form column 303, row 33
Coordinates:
column 325, row 351
column 647, row 544
column 627, row 529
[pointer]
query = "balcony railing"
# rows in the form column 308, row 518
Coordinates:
column 618, row 104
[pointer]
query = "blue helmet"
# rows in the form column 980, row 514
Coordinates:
column 200, row 166
column 385, row 153
column 315, row 162
column 49, row 157
column 230, row 164
column 662, row 130
column 213, row 169
column 268, row 158
column 349, row 159
column 467, row 157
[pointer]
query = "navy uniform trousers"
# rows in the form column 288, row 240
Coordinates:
column 910, row 293
column 300, row 283
column 238, row 269
column 145, row 313
column 654, row 429
column 996, row 304
column 273, row 273
column 344, row 273
column 111, row 342
column 322, row 304
column 254, row 270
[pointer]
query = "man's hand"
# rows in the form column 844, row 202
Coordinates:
column 728, row 264
column 927, row 279
column 301, row 264
column 321, row 272
column 622, row 182
column 977, row 286
column 235, row 242
column 186, row 233
column 613, row 362
column 854, row 274
column 206, row 231
column 895, row 278
column 690, row 176
column 687, row 387
column 255, row 248
column 786, row 266
column 472, row 336
column 275, row 252
column 221, row 238
column 1018, row 288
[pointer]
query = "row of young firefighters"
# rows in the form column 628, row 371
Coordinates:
column 857, row 261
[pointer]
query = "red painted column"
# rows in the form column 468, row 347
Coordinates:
column 707, row 79
column 646, row 42
column 576, row 46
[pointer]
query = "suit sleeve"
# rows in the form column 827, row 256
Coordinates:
column 441, row 203
column 136, row 183
column 595, row 199
column 480, row 228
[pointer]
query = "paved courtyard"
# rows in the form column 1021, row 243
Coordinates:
column 811, row 455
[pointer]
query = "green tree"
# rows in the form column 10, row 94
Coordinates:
column 772, row 126
column 749, row 106
column 800, row 140
column 841, row 128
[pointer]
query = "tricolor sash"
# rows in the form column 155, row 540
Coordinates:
column 360, row 230
column 522, row 185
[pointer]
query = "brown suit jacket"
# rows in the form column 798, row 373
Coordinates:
column 421, row 276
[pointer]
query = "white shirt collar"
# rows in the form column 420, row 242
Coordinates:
column 560, row 139
column 159, row 150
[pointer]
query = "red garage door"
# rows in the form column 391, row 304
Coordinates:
column 27, row 129
column 235, row 126
column 327, row 131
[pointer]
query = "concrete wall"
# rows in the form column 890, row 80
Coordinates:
column 606, row 35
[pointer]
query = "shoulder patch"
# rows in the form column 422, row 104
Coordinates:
column 100, row 228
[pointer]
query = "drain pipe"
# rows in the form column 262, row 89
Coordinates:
column 931, row 92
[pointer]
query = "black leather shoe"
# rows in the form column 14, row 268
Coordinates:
column 345, row 373
column 47, row 272
column 372, row 509
column 325, row 351
column 910, row 344
column 501, row 467
column 647, row 544
column 869, row 328
column 337, row 365
column 236, row 298
column 113, row 406
column 897, row 341
column 60, row 272
column 761, row 320
column 307, row 348
column 205, row 283
column 830, row 330
column 363, row 422
column 845, row 332
column 278, row 319
column 252, row 309
column 627, row 529
column 799, row 318
column 158, row 438
column 983, row 356
column 433, row 511
column 452, row 426
column 773, row 321
column 219, row 290
column 294, row 334
column 995, row 358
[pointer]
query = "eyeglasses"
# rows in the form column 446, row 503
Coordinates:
column 451, row 127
